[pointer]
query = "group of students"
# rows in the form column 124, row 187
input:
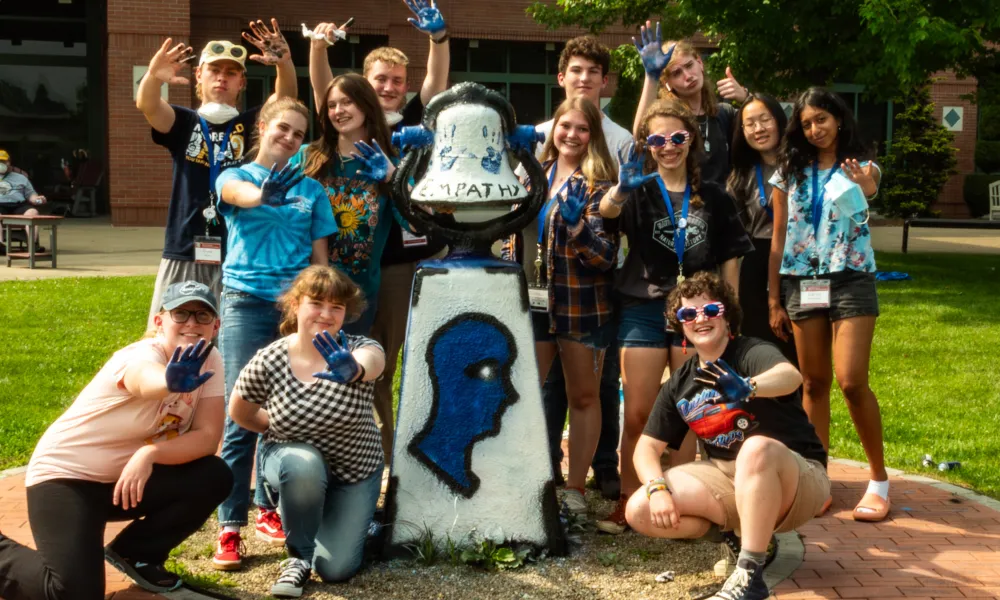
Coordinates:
column 703, row 186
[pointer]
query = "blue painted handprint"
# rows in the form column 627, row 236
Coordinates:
column 651, row 51
column 341, row 367
column 429, row 19
column 725, row 380
column 183, row 372
column 572, row 206
column 491, row 162
column 274, row 189
column 376, row 164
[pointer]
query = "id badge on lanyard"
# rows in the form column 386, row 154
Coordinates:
column 538, row 299
column 814, row 293
column 208, row 248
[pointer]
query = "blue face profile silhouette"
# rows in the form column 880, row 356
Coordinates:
column 469, row 359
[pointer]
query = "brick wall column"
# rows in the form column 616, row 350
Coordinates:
column 948, row 91
column 139, row 173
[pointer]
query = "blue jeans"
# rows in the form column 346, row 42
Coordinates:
column 326, row 520
column 249, row 323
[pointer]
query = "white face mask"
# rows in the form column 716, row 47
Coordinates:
column 3, row 168
column 216, row 113
column 392, row 118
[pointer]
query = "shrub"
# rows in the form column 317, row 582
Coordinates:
column 988, row 156
column 977, row 193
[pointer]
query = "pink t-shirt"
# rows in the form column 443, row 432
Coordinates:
column 102, row 429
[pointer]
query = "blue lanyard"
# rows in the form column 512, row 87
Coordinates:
column 214, row 167
column 544, row 217
column 680, row 227
column 817, row 196
column 763, row 194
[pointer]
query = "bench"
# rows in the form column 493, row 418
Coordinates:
column 9, row 222
column 946, row 224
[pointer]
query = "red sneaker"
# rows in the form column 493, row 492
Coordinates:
column 229, row 551
column 269, row 527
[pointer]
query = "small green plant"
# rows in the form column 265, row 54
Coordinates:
column 648, row 555
column 609, row 559
column 207, row 580
column 424, row 549
column 493, row 557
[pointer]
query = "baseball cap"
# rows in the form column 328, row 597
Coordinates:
column 4, row 155
column 177, row 294
column 217, row 50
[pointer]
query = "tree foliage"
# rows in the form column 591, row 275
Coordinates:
column 920, row 162
column 784, row 46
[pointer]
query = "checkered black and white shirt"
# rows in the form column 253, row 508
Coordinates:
column 337, row 419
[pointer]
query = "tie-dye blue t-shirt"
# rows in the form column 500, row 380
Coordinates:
column 269, row 245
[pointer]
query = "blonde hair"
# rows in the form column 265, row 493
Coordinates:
column 390, row 56
column 597, row 164
column 321, row 283
column 680, row 111
column 709, row 103
column 272, row 110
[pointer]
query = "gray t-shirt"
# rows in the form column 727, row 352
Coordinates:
column 15, row 188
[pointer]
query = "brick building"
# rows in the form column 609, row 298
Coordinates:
column 68, row 70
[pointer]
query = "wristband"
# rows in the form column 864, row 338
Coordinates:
column 753, row 388
column 659, row 488
column 361, row 376
column 655, row 485
column 442, row 39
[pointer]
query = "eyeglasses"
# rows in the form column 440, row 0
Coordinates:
column 234, row 51
column 712, row 310
column 202, row 317
column 764, row 123
column 678, row 138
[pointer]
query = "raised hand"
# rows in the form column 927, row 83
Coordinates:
column 341, row 367
column 412, row 136
column 651, row 50
column 184, row 369
column 730, row 89
column 630, row 175
column 168, row 62
column 269, row 41
column 377, row 166
column 429, row 19
column 571, row 207
column 274, row 189
column 525, row 137
column 725, row 380
column 863, row 176
column 325, row 34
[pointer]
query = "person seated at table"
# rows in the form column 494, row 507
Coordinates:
column 17, row 196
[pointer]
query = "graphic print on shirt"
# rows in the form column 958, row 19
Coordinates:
column 716, row 422
column 173, row 418
column 355, row 205
column 197, row 151
column 697, row 232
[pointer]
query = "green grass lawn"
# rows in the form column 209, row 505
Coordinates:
column 935, row 368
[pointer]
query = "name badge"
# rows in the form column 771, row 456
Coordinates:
column 413, row 241
column 814, row 293
column 538, row 299
column 208, row 250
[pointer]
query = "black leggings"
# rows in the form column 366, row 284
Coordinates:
column 68, row 517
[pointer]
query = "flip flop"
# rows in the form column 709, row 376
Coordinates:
column 871, row 509
column 826, row 506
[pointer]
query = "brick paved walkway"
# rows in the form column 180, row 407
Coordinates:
column 936, row 544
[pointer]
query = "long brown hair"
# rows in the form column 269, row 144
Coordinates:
column 272, row 110
column 323, row 151
column 597, row 164
column 680, row 111
column 683, row 48
column 321, row 283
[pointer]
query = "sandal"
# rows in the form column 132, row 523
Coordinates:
column 825, row 507
column 871, row 509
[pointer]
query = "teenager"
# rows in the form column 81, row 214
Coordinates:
column 17, row 197
column 766, row 468
column 310, row 395
column 822, row 262
column 387, row 70
column 760, row 124
column 675, row 70
column 677, row 225
column 138, row 444
column 572, row 315
column 278, row 223
column 220, row 79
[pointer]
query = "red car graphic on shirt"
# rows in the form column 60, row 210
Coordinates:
column 711, row 420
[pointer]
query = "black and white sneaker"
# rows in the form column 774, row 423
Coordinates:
column 150, row 577
column 294, row 575
column 746, row 583
column 731, row 549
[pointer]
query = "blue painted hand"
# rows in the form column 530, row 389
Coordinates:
column 429, row 19
column 274, row 189
column 412, row 137
column 341, row 367
column 376, row 164
column 630, row 175
column 651, row 51
column 184, row 369
column 571, row 207
column 525, row 137
column 725, row 380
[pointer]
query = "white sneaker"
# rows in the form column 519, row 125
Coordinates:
column 294, row 575
column 575, row 502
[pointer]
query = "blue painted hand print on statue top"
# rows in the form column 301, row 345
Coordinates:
column 470, row 360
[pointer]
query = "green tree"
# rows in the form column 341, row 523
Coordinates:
column 920, row 162
column 783, row 46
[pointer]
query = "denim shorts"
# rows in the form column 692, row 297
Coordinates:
column 852, row 294
column 644, row 325
column 597, row 339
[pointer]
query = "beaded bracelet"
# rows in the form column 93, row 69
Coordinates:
column 659, row 487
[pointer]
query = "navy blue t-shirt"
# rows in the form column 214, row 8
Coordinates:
column 189, row 195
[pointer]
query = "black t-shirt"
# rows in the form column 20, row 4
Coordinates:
column 718, row 130
column 190, row 192
column 395, row 252
column 714, row 235
column 684, row 403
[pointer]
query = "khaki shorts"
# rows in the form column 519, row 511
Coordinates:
column 719, row 475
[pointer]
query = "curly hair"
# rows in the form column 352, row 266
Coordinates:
column 677, row 110
column 586, row 46
column 711, row 286
column 322, row 283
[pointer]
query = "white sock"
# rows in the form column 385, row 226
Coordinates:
column 879, row 487
column 230, row 529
